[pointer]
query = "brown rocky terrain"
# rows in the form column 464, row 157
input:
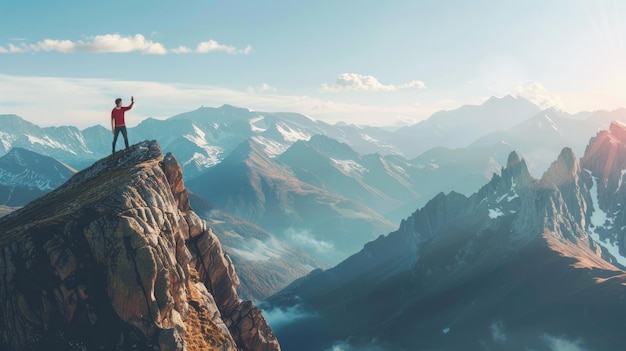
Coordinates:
column 116, row 259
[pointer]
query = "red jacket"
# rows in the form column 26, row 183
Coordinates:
column 118, row 114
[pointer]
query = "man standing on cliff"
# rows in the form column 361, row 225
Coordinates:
column 117, row 120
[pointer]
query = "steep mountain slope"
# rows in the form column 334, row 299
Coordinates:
column 460, row 127
column 26, row 175
column 116, row 259
column 391, row 185
column 66, row 144
column 334, row 166
column 250, row 184
column 265, row 263
column 522, row 264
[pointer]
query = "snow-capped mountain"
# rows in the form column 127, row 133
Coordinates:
column 26, row 175
column 260, row 189
column 200, row 138
column 66, row 144
column 390, row 184
column 218, row 131
column 203, row 137
column 336, row 167
column 523, row 263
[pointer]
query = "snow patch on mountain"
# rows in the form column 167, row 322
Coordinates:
column 350, row 166
column 205, row 161
column 213, row 152
column 601, row 220
column 292, row 135
column 46, row 141
column 495, row 213
column 510, row 195
column 621, row 178
column 369, row 138
column 399, row 169
column 552, row 124
column 388, row 147
column 199, row 138
column 258, row 124
column 7, row 140
column 81, row 142
column 271, row 147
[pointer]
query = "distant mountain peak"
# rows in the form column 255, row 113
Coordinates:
column 508, row 99
column 234, row 108
column 503, row 98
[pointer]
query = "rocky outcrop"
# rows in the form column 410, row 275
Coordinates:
column 116, row 259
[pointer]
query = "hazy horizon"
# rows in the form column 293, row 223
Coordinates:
column 365, row 62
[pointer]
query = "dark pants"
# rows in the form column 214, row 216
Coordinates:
column 119, row 129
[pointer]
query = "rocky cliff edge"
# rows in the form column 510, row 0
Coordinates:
column 116, row 259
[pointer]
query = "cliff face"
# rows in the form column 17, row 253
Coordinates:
column 116, row 259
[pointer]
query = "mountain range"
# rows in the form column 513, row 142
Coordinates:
column 508, row 248
column 200, row 138
column 460, row 127
column 364, row 169
column 521, row 264
column 541, row 136
column 26, row 175
column 250, row 184
column 203, row 137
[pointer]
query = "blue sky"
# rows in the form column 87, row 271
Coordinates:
column 364, row 62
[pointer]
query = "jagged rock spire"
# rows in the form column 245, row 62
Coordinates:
column 564, row 170
column 517, row 169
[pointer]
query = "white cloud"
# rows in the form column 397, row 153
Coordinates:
column 212, row 45
column 372, row 345
column 116, row 43
column 563, row 344
column 304, row 239
column 85, row 102
column 357, row 82
column 413, row 84
column 538, row 94
column 263, row 88
column 279, row 317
